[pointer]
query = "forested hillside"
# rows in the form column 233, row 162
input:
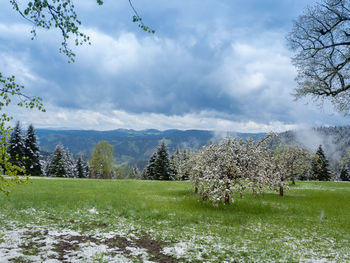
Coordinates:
column 129, row 145
column 334, row 140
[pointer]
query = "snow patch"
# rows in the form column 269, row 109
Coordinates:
column 93, row 211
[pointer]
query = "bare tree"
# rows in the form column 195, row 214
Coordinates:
column 320, row 40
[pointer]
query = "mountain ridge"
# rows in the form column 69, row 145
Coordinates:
column 129, row 144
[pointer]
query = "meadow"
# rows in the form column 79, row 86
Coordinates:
column 87, row 220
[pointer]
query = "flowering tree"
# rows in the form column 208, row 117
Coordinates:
column 291, row 162
column 231, row 166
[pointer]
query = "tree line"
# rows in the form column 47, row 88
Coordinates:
column 24, row 152
column 218, row 170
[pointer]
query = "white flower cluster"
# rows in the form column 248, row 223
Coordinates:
column 220, row 170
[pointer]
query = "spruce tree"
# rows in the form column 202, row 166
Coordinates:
column 175, row 162
column 344, row 175
column 162, row 164
column 80, row 168
column 32, row 153
column 319, row 166
column 57, row 167
column 69, row 164
column 185, row 156
column 178, row 165
column 87, row 170
column 148, row 172
column 136, row 174
column 16, row 148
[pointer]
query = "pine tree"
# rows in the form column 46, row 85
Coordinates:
column 87, row 170
column 80, row 168
column 46, row 165
column 31, row 152
column 70, row 165
column 175, row 162
column 185, row 156
column 57, row 167
column 16, row 148
column 178, row 165
column 148, row 172
column 162, row 164
column 135, row 173
column 319, row 166
column 344, row 175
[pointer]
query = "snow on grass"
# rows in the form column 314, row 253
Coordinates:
column 56, row 245
column 52, row 242
column 93, row 211
column 265, row 245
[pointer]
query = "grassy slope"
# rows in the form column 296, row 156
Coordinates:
column 312, row 222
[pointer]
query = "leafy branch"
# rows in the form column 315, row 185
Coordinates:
column 137, row 19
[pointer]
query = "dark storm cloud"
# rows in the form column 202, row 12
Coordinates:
column 224, row 57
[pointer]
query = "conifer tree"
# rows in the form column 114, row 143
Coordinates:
column 185, row 156
column 162, row 164
column 32, row 153
column 57, row 167
column 69, row 163
column 319, row 166
column 87, row 170
column 46, row 165
column 148, row 172
column 344, row 175
column 80, row 168
column 16, row 148
column 177, row 165
column 175, row 162
column 135, row 173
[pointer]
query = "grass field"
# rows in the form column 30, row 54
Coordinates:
column 71, row 220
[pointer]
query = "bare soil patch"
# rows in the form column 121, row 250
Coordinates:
column 155, row 247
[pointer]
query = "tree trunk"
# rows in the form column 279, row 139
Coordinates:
column 293, row 180
column 227, row 199
column 281, row 190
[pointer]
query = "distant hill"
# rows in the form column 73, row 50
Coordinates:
column 130, row 145
column 137, row 146
column 335, row 140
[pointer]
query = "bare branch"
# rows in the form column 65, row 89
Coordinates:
column 321, row 45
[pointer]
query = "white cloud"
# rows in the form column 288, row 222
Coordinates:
column 13, row 66
column 207, row 69
column 126, row 53
column 249, row 67
column 88, row 119
column 109, row 55
column 18, row 31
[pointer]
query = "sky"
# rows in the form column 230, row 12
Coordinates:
column 214, row 65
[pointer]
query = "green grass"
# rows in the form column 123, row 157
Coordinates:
column 311, row 222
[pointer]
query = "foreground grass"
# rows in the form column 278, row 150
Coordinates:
column 311, row 223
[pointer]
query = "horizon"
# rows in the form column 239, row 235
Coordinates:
column 160, row 130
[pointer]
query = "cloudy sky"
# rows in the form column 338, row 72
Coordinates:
column 218, row 65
